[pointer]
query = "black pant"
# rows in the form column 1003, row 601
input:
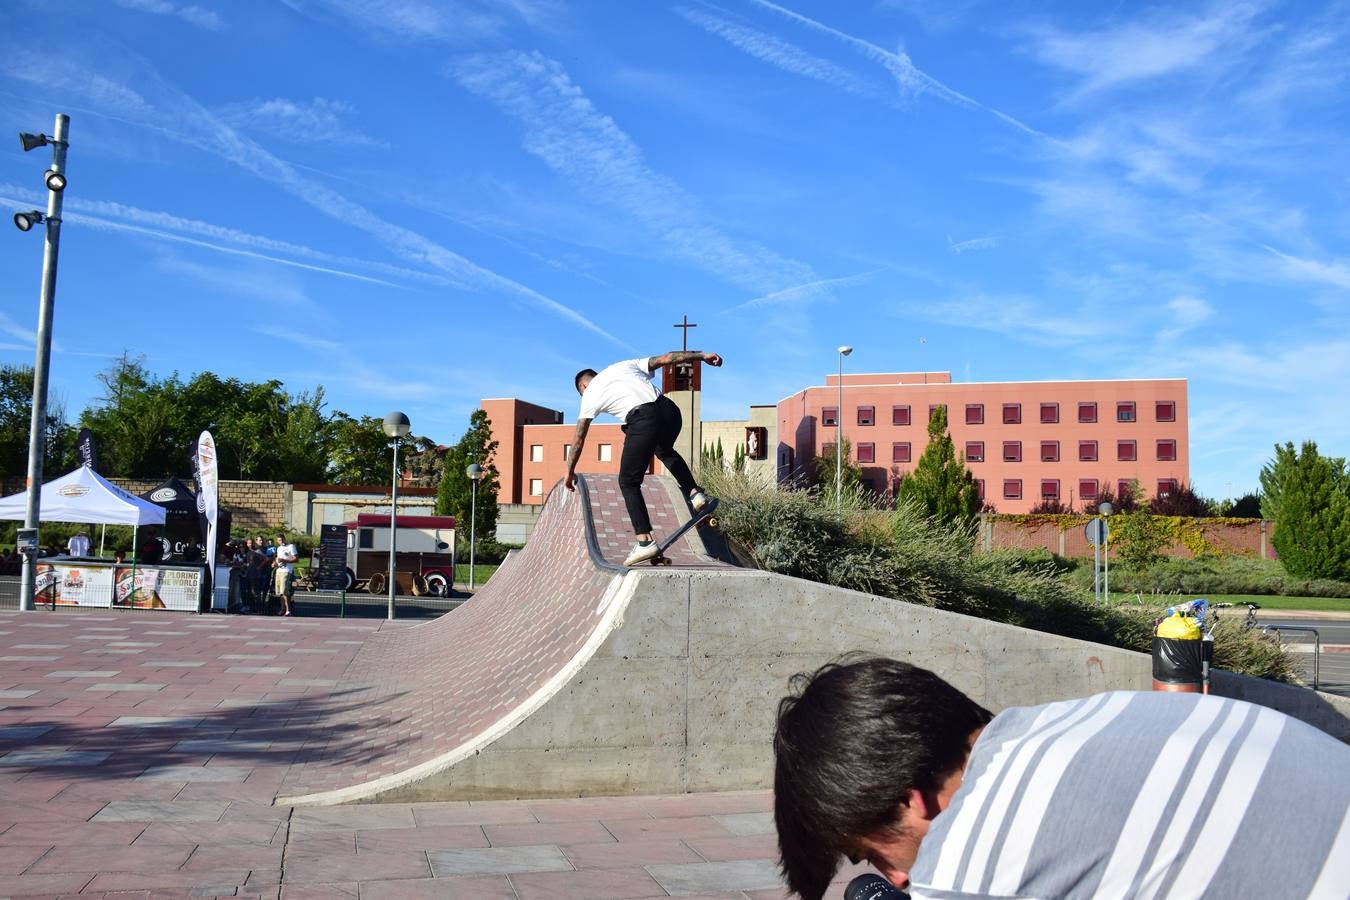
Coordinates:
column 650, row 429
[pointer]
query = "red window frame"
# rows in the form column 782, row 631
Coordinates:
column 829, row 417
column 1049, row 451
column 1087, row 488
column 1087, row 412
column 867, row 415
column 978, row 448
column 1012, row 451
column 1165, row 411
column 1166, row 486
column 1127, row 451
column 1012, row 489
column 932, row 408
column 1050, row 489
column 901, row 452
column 900, row 415
column 1123, row 488
column 1012, row 414
column 867, row 453
column 974, row 413
column 1167, row 450
column 1087, row 451
column 1126, row 411
column 1049, row 413
column 979, row 488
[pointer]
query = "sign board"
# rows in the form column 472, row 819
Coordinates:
column 333, row 558
column 1097, row 532
column 26, row 540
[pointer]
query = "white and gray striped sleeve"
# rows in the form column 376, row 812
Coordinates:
column 1127, row 795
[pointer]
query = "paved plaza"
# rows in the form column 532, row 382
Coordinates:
column 140, row 754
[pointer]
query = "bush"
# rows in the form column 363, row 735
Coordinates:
column 488, row 552
column 911, row 558
column 1217, row 575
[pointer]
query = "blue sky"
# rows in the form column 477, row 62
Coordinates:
column 418, row 204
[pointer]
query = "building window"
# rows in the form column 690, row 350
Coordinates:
column 1050, row 489
column 979, row 488
column 567, row 451
column 1166, row 411
column 1049, row 451
column 536, row 453
column 1125, row 412
column 899, row 415
column 536, row 487
column 867, row 453
column 900, row 452
column 1125, row 451
column 1012, row 451
column 1087, row 451
column 1012, row 489
column 934, row 408
column 867, row 415
column 827, row 449
column 606, row 452
column 974, row 413
column 1167, row 451
column 1125, row 488
column 1087, row 488
column 1166, row 486
column 1049, row 413
column 974, row 451
column 366, row 538
column 1012, row 414
column 829, row 416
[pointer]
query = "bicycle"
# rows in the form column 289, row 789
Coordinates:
column 1249, row 622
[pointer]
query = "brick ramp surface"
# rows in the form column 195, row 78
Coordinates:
column 419, row 699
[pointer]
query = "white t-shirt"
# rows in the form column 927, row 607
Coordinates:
column 619, row 388
column 286, row 555
column 78, row 545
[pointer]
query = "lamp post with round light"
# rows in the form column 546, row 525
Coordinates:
column 1105, row 509
column 839, row 436
column 55, row 179
column 396, row 426
column 475, row 473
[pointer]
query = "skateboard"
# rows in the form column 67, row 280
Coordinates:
column 702, row 519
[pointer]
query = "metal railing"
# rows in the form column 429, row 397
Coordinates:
column 1317, row 646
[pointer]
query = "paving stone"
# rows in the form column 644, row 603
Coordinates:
column 352, row 817
column 591, row 832
column 40, row 758
column 694, row 878
column 162, row 811
column 22, row 732
column 247, row 656
column 753, row 846
column 155, row 722
column 629, row 853
column 498, row 861
column 215, row 745
column 693, row 826
column 196, row 773
column 83, row 673
column 29, row 658
column 592, row 884
column 367, row 866
column 466, row 888
column 39, row 646
column 172, row 664
column 748, row 823
column 443, row 837
column 134, row 687
column 16, row 694
column 108, row 858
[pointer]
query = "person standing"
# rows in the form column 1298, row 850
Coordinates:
column 285, row 558
column 79, row 544
column 651, row 423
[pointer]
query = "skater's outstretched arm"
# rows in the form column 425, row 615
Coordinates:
column 679, row 356
column 574, row 454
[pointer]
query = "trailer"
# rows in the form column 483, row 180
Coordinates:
column 425, row 554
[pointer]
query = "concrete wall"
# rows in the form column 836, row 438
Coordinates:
column 681, row 696
column 255, row 505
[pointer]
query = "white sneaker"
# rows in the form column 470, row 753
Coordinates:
column 641, row 553
column 698, row 500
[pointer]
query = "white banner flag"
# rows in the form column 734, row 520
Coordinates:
column 207, row 485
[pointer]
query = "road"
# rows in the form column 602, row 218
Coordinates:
column 1334, row 669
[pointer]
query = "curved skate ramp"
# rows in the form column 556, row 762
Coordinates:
column 425, row 697
column 567, row 675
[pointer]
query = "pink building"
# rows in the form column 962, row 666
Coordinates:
column 1025, row 442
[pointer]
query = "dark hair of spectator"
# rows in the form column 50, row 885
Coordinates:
column 852, row 739
column 584, row 373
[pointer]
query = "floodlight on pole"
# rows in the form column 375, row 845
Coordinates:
column 475, row 473
column 37, row 430
column 839, row 435
column 396, row 426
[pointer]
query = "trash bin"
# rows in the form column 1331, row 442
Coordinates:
column 1181, row 654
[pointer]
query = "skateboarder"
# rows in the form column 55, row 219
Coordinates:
column 651, row 422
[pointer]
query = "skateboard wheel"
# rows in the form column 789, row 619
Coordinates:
column 712, row 522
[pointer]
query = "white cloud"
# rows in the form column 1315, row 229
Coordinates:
column 1336, row 273
column 191, row 13
column 450, row 21
column 980, row 243
column 812, row 290
column 1183, row 314
column 317, row 122
column 15, row 330
column 1016, row 317
column 299, row 338
column 573, row 138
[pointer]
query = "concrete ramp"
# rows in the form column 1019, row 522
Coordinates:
column 567, row 675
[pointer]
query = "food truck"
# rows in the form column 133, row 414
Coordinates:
column 425, row 554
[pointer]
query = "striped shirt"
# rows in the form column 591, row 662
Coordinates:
column 1126, row 795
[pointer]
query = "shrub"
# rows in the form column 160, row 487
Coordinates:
column 1209, row 575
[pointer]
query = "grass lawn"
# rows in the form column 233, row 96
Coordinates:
column 481, row 573
column 1265, row 601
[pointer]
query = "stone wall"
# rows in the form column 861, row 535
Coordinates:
column 255, row 505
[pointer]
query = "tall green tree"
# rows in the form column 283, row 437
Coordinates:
column 941, row 485
column 1312, row 530
column 1272, row 474
column 454, row 493
column 360, row 452
column 16, row 416
column 850, row 477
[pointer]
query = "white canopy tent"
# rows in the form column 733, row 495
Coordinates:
column 84, row 496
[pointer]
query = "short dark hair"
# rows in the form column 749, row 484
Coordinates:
column 853, row 738
column 584, row 373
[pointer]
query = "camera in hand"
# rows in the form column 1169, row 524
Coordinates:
column 873, row 887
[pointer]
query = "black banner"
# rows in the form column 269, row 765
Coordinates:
column 84, row 445
column 333, row 558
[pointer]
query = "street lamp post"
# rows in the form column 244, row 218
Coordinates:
column 1105, row 510
column 475, row 473
column 396, row 426
column 839, row 434
column 55, row 179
